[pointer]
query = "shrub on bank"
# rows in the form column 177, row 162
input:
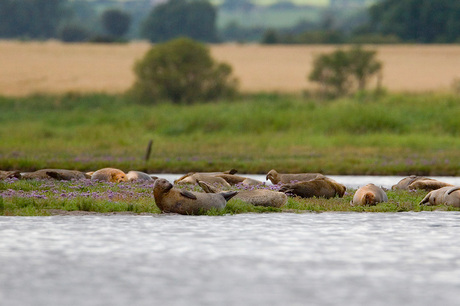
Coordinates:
column 182, row 71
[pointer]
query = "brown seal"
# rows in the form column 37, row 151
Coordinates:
column 286, row 178
column 369, row 195
column 56, row 174
column 318, row 187
column 9, row 174
column 174, row 200
column 445, row 195
column 109, row 175
column 257, row 197
column 419, row 182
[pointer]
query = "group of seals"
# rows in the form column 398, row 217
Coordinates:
column 224, row 179
column 105, row 174
column 305, row 185
column 419, row 182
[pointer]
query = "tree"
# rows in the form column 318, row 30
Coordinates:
column 181, row 18
column 424, row 21
column 73, row 33
column 182, row 71
column 31, row 18
column 116, row 22
column 341, row 71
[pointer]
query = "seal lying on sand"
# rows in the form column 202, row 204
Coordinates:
column 9, row 175
column 174, row 200
column 419, row 182
column 139, row 176
column 109, row 175
column 286, row 178
column 445, row 195
column 257, row 197
column 56, row 174
column 369, row 195
column 318, row 187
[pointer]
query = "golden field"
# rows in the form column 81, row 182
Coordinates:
column 54, row 67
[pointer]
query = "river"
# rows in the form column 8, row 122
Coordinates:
column 248, row 259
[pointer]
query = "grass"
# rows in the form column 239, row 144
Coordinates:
column 42, row 198
column 392, row 134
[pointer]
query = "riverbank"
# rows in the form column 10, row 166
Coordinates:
column 85, row 197
column 388, row 134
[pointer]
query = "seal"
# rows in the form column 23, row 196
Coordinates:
column 256, row 197
column 452, row 197
column 139, row 176
column 319, row 187
column 233, row 179
column 56, row 174
column 369, row 195
column 174, row 200
column 444, row 195
column 428, row 184
column 193, row 178
column 419, row 182
column 286, row 178
column 9, row 174
column 109, row 175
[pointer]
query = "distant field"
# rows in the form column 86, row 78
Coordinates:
column 53, row 67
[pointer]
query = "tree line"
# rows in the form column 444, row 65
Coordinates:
column 387, row 21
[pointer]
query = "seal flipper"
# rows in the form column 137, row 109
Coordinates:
column 188, row 194
column 207, row 188
column 228, row 195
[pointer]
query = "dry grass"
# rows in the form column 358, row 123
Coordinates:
column 53, row 67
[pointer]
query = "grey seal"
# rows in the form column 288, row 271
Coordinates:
column 174, row 200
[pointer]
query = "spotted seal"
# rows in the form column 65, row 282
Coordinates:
column 174, row 200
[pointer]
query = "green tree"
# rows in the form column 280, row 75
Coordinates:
column 181, row 18
column 341, row 71
column 424, row 21
column 182, row 71
column 31, row 18
column 116, row 22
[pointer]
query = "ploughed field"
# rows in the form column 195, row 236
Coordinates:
column 54, row 67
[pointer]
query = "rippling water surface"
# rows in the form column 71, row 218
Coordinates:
column 248, row 259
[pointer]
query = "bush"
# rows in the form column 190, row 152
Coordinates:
column 182, row 71
column 339, row 72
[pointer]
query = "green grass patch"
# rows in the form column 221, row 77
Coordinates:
column 393, row 134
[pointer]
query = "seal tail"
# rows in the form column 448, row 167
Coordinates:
column 228, row 195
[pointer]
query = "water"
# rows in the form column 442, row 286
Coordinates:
column 350, row 181
column 248, row 259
